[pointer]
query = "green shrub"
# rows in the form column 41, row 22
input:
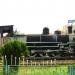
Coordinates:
column 14, row 48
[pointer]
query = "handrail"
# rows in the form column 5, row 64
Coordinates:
column 42, row 42
column 42, row 46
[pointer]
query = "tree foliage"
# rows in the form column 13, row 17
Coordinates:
column 14, row 48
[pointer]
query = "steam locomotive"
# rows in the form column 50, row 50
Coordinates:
column 47, row 45
column 55, row 46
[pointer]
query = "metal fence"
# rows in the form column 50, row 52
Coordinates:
column 38, row 70
column 37, row 67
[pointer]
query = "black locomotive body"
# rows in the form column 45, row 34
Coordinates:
column 50, row 45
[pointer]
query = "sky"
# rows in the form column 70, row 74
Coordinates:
column 31, row 16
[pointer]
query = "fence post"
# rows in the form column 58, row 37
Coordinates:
column 23, row 60
column 6, row 66
column 11, row 59
column 15, row 60
column 19, row 60
column 71, row 70
column 8, row 69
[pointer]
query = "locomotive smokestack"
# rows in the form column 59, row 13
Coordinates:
column 45, row 31
column 70, row 29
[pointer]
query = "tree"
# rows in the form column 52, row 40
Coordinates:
column 16, row 49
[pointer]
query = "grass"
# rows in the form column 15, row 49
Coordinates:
column 39, row 70
column 36, row 70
